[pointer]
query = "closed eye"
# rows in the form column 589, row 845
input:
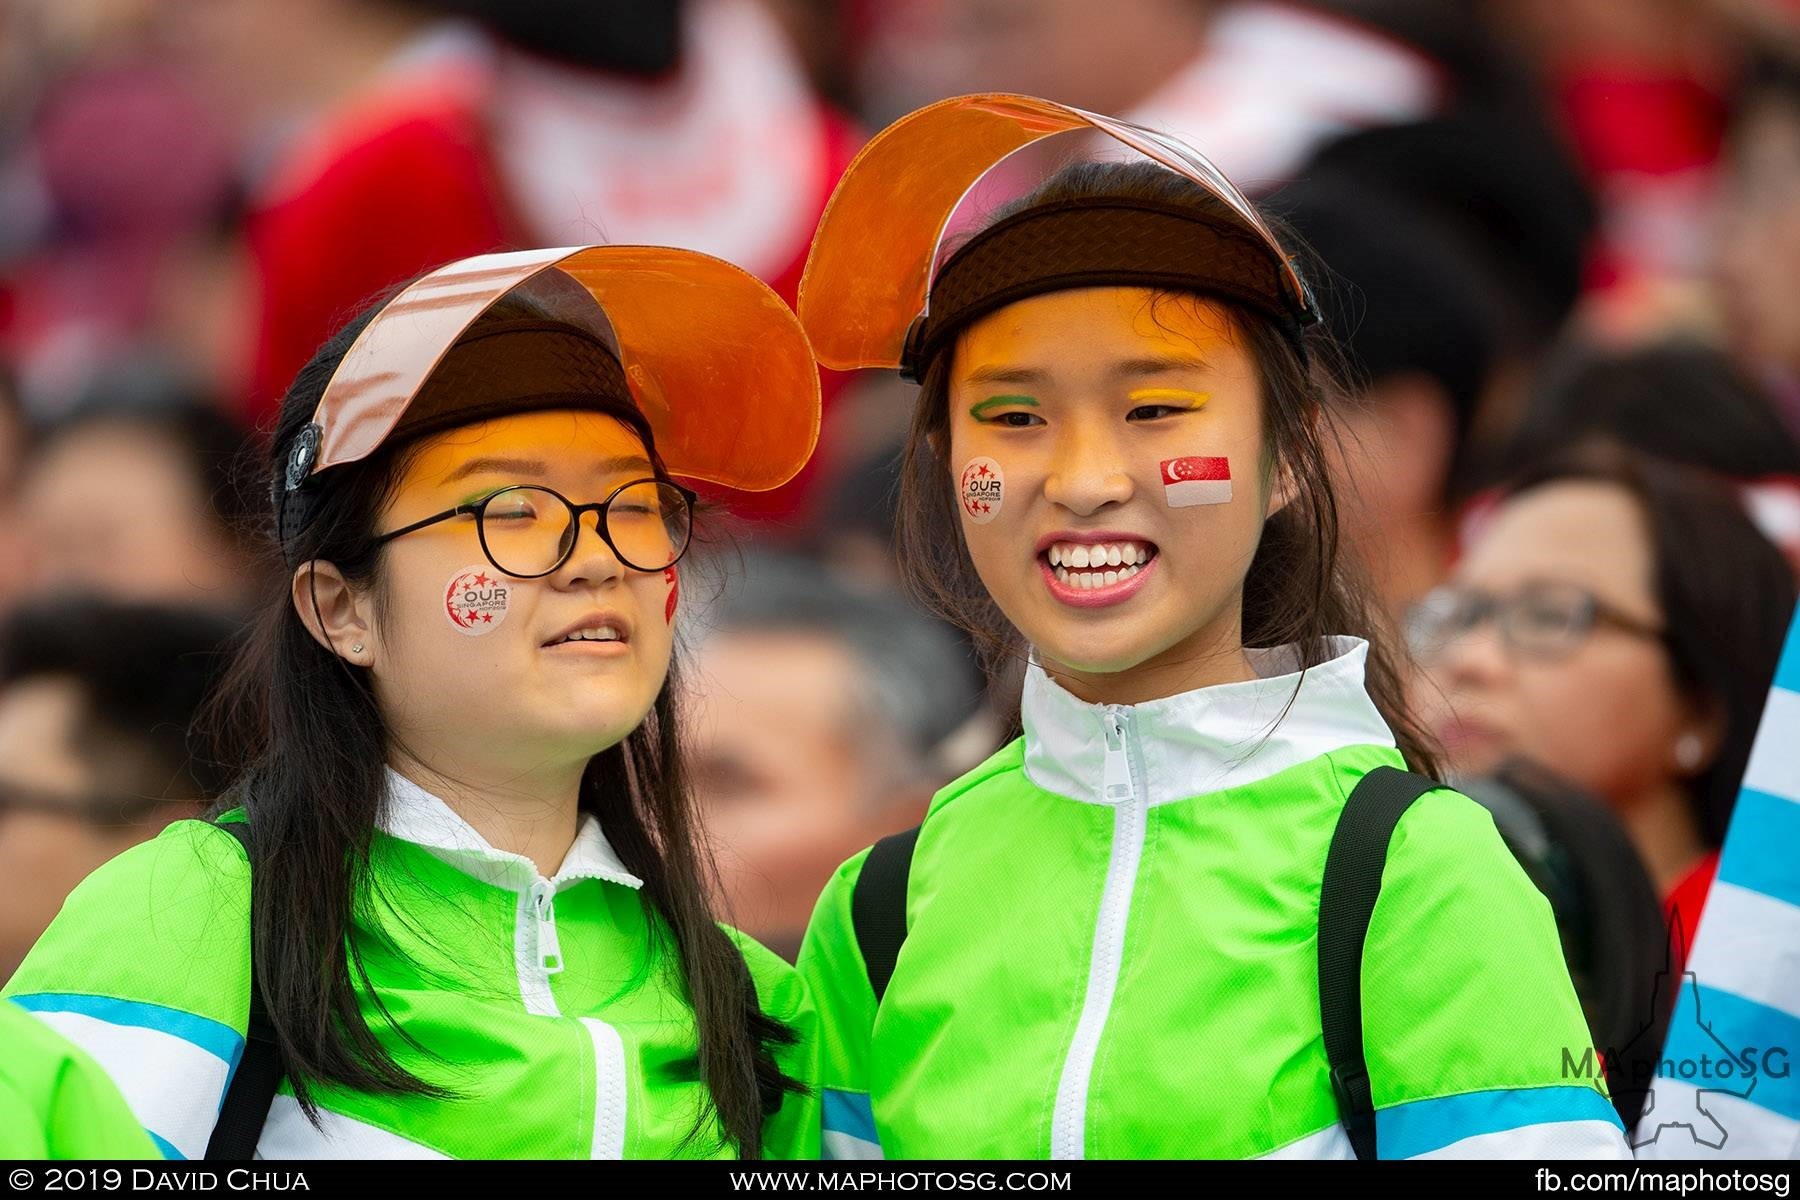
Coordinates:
column 1153, row 412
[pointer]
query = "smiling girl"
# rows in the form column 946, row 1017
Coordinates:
column 1110, row 941
column 457, row 904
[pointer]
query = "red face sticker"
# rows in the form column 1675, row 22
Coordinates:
column 1189, row 481
column 475, row 600
column 981, row 490
column 673, row 578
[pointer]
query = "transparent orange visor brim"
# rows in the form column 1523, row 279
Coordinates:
column 869, row 272
column 716, row 361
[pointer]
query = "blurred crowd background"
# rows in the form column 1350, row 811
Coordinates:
column 1561, row 241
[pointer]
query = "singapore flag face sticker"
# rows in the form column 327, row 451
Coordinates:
column 981, row 490
column 1188, row 481
column 475, row 600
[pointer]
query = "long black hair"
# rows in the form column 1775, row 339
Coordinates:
column 305, row 731
column 1299, row 590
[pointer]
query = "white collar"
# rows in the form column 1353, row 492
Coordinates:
column 1209, row 739
column 414, row 815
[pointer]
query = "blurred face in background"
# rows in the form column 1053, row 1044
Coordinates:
column 1759, row 247
column 1577, row 681
column 115, row 510
column 15, row 553
column 56, row 825
column 1065, row 50
column 267, row 61
column 793, row 775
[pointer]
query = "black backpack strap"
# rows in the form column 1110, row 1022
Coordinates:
column 878, row 906
column 1347, row 898
column 259, row 1071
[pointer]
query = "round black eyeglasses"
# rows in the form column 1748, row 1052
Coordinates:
column 528, row 531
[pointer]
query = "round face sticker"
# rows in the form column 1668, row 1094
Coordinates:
column 475, row 600
column 982, row 489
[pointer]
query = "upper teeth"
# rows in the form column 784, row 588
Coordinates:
column 606, row 633
column 1110, row 554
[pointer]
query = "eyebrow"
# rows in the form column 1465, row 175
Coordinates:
column 1139, row 367
column 500, row 465
column 998, row 374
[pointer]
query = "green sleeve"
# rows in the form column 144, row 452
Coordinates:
column 1469, row 1017
column 147, row 970
column 832, row 965
column 55, row 1102
column 793, row 1132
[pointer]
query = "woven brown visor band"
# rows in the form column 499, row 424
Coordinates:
column 500, row 368
column 496, row 369
column 1102, row 242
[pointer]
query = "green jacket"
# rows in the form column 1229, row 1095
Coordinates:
column 55, row 1102
column 548, row 1005
column 1112, row 950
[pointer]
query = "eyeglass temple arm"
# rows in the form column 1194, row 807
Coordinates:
column 459, row 510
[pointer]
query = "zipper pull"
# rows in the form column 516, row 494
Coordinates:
column 549, row 949
column 1117, row 781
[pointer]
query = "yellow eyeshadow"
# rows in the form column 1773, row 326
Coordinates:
column 1173, row 397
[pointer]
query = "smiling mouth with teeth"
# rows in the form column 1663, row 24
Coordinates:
column 1087, row 567
column 606, row 633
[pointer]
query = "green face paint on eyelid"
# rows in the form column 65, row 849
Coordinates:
column 980, row 410
column 478, row 497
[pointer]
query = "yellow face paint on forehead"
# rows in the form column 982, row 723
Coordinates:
column 1013, row 351
column 573, row 451
column 536, row 443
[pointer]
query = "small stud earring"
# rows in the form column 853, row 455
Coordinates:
column 357, row 649
column 1689, row 751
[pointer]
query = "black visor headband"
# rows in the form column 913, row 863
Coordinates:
column 1103, row 242
column 498, row 369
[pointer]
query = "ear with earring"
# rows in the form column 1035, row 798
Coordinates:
column 357, row 649
column 1689, row 750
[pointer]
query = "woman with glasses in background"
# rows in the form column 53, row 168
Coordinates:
column 1616, row 620
column 457, row 904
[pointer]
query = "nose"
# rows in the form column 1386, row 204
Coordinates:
column 592, row 562
column 1474, row 660
column 1089, row 470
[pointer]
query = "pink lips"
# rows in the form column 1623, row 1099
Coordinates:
column 1099, row 597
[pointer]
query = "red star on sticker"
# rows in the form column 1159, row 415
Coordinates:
column 986, row 507
column 488, row 617
column 471, row 615
column 983, row 472
column 482, row 581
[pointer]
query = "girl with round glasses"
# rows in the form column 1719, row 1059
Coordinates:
column 457, row 903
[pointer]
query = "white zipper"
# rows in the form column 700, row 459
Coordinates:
column 543, row 906
column 1068, row 1124
column 539, row 956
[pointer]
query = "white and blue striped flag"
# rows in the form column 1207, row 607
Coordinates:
column 1727, row 1084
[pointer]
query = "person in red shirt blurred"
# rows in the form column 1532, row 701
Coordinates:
column 426, row 136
